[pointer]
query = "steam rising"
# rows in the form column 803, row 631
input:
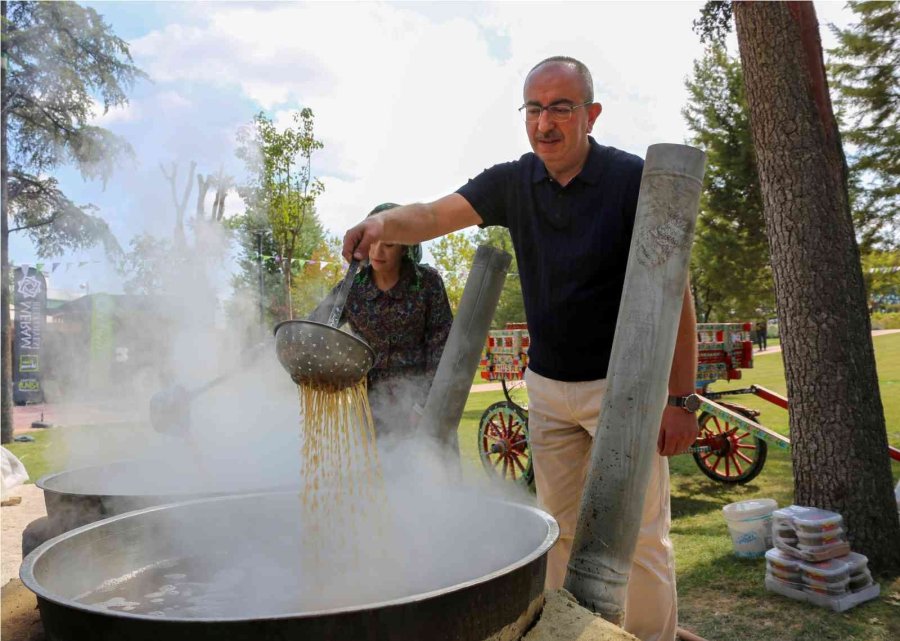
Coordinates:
column 432, row 531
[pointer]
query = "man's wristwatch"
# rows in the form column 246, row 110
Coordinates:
column 689, row 403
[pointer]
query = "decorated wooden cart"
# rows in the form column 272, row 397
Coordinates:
column 731, row 446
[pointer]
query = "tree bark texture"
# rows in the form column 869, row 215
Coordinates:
column 838, row 435
column 6, row 407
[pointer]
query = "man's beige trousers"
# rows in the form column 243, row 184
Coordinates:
column 562, row 419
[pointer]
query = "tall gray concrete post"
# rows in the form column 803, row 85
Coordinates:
column 453, row 379
column 625, row 442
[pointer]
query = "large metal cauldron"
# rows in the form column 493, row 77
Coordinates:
column 87, row 578
column 84, row 495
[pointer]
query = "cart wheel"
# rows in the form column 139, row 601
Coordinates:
column 735, row 455
column 517, row 393
column 503, row 443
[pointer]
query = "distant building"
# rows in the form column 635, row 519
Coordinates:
column 105, row 343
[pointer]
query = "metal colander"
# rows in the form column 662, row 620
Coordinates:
column 320, row 355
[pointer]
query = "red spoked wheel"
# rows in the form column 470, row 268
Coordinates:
column 728, row 453
column 503, row 443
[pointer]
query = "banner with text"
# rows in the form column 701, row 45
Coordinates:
column 30, row 300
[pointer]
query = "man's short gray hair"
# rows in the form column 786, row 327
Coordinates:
column 579, row 66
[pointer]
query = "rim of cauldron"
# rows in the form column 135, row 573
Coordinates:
column 26, row 571
column 301, row 321
column 45, row 484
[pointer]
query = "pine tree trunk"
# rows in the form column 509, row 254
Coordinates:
column 6, row 408
column 839, row 441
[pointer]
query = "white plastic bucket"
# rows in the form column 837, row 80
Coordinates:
column 750, row 526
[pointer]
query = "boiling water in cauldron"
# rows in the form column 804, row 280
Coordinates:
column 263, row 565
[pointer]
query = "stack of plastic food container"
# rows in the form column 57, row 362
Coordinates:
column 810, row 533
column 812, row 561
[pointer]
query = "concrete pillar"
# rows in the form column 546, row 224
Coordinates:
column 453, row 380
column 625, row 442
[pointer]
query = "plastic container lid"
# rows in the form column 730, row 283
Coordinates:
column 789, row 513
column 857, row 562
column 804, row 516
column 784, row 575
column 829, row 546
column 779, row 559
column 751, row 509
column 817, row 520
column 834, row 587
column 860, row 581
column 818, row 539
column 830, row 571
column 796, row 585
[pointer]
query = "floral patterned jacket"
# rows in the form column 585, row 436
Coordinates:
column 407, row 327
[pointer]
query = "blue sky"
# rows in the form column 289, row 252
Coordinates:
column 411, row 99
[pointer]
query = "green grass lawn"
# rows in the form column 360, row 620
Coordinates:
column 720, row 596
column 40, row 457
column 770, row 342
column 48, row 452
column 768, row 371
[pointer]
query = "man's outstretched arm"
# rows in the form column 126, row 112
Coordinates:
column 410, row 224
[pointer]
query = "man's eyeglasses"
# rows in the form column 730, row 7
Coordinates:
column 558, row 113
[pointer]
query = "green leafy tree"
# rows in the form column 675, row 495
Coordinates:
column 155, row 265
column 881, row 272
column 866, row 80
column 148, row 265
column 837, row 423
column 316, row 277
column 511, row 307
column 59, row 60
column 453, row 256
column 280, row 195
column 730, row 272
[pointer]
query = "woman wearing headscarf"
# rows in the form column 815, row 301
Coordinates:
column 400, row 308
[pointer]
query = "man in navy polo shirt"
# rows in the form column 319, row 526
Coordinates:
column 570, row 209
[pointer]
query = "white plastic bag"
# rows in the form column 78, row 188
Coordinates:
column 13, row 473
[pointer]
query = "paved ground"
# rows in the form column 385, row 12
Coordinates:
column 85, row 413
column 14, row 519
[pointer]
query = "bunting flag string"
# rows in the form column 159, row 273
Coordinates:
column 52, row 267
column 296, row 262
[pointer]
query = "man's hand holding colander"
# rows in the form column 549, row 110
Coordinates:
column 410, row 224
column 358, row 239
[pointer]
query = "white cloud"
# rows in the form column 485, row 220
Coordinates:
column 117, row 114
column 410, row 100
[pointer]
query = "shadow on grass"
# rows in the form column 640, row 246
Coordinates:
column 690, row 506
column 724, row 598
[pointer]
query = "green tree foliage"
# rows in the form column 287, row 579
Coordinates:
column 453, row 256
column 866, row 81
column 881, row 272
column 280, row 223
column 154, row 265
column 714, row 23
column 511, row 308
column 316, row 277
column 730, row 271
column 148, row 266
column 60, row 60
